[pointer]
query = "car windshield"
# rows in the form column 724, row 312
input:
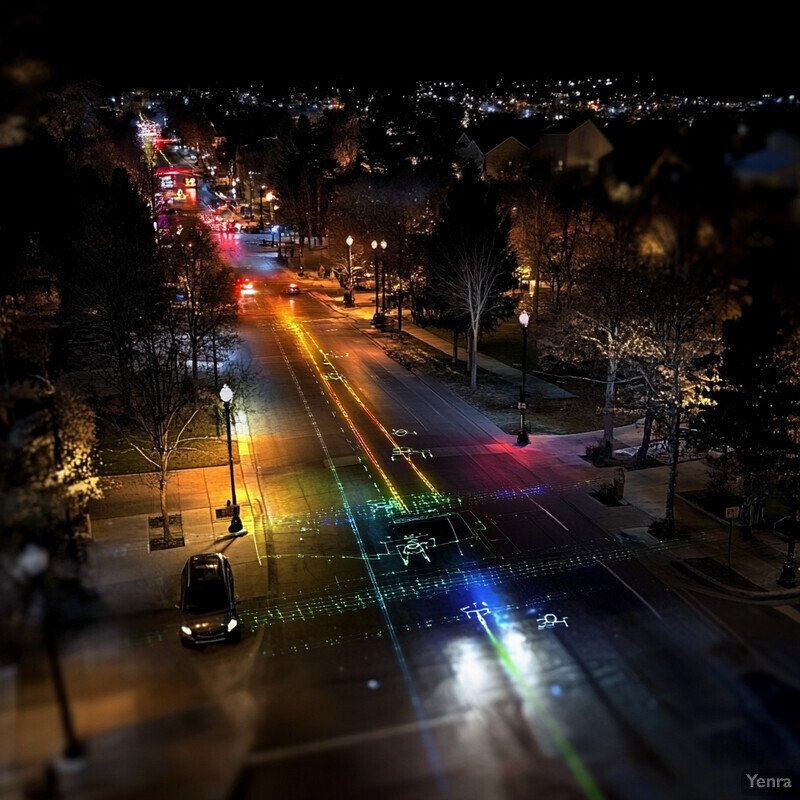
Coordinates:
column 205, row 598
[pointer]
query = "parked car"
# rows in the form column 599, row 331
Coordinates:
column 384, row 322
column 208, row 601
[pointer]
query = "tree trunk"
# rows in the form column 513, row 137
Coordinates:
column 608, row 407
column 455, row 347
column 640, row 459
column 162, row 496
column 674, row 441
column 473, row 359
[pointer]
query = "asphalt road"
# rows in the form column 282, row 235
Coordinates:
column 429, row 611
column 443, row 620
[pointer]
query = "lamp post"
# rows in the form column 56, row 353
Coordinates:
column 400, row 307
column 261, row 208
column 349, row 298
column 375, row 251
column 226, row 395
column 34, row 562
column 383, row 288
column 377, row 263
column 522, row 436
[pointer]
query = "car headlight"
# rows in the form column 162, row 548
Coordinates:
column 185, row 630
column 232, row 624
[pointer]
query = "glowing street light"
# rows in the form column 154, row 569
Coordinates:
column 261, row 208
column 375, row 250
column 226, row 395
column 35, row 564
column 349, row 298
column 522, row 436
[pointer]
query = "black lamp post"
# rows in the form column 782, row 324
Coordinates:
column 375, row 251
column 349, row 298
column 226, row 395
column 522, row 436
column 261, row 208
column 377, row 262
column 34, row 562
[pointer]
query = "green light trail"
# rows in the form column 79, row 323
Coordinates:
column 568, row 753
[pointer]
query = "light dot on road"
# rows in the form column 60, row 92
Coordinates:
column 372, row 684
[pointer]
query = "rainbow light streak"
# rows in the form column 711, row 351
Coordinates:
column 303, row 338
column 353, row 596
column 310, row 345
column 425, row 727
column 573, row 761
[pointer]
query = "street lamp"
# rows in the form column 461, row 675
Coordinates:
column 349, row 298
column 261, row 208
column 522, row 436
column 226, row 395
column 375, row 249
column 34, row 563
column 399, row 306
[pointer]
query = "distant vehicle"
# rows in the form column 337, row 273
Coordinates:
column 292, row 288
column 245, row 286
column 208, row 601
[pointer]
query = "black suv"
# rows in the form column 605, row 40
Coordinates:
column 208, row 602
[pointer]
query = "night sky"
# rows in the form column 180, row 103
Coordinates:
column 172, row 46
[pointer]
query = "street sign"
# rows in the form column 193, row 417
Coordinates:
column 732, row 512
column 522, row 406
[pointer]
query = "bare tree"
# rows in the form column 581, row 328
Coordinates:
column 677, row 319
column 562, row 226
column 203, row 300
column 603, row 321
column 530, row 207
column 471, row 264
column 159, row 403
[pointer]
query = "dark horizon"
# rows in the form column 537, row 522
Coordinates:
column 264, row 49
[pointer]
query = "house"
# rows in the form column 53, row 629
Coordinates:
column 566, row 146
column 467, row 149
column 509, row 160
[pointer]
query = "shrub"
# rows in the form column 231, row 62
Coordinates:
column 607, row 493
column 596, row 453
